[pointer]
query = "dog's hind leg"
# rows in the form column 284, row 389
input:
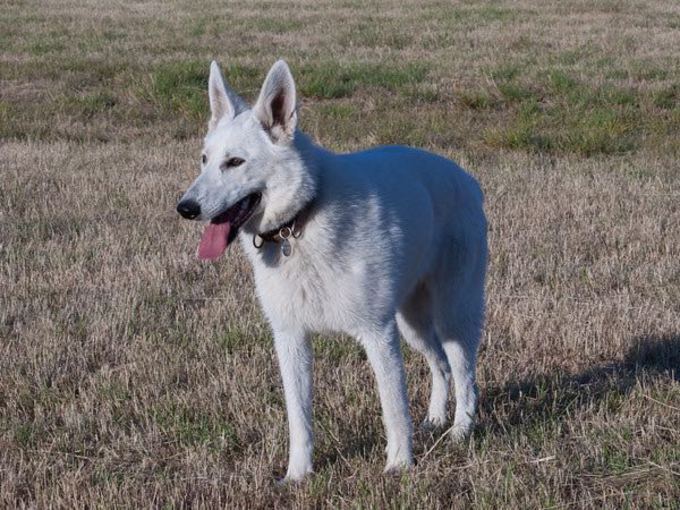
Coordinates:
column 461, row 351
column 458, row 318
column 384, row 353
column 415, row 324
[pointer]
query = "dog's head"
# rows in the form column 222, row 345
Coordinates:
column 252, row 176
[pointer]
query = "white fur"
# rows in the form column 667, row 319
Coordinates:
column 394, row 241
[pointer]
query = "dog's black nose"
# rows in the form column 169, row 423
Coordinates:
column 189, row 209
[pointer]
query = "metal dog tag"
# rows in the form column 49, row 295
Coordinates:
column 285, row 248
column 285, row 233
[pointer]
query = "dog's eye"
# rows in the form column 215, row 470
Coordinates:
column 204, row 159
column 233, row 162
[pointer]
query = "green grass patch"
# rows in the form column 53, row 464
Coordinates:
column 90, row 105
column 182, row 87
column 114, row 391
column 571, row 57
column 615, row 458
column 520, row 136
column 515, row 92
column 25, row 435
column 423, row 93
column 45, row 47
column 329, row 80
column 6, row 117
column 492, row 13
column 636, row 71
column 191, row 427
column 101, row 40
column 667, row 98
column 377, row 35
column 465, row 15
column 477, row 99
column 49, row 43
column 337, row 111
column 560, row 113
column 337, row 348
column 505, row 73
column 237, row 340
column 274, row 25
column 599, row 131
column 561, row 82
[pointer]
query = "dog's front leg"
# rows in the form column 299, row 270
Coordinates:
column 384, row 354
column 294, row 352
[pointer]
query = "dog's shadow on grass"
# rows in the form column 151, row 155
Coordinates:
column 553, row 397
column 504, row 410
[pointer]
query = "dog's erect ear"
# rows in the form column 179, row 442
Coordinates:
column 223, row 100
column 275, row 108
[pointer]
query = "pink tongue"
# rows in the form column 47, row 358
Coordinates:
column 213, row 241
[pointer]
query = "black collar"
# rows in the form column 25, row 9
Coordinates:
column 291, row 228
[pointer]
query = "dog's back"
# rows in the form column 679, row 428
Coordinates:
column 428, row 209
column 383, row 222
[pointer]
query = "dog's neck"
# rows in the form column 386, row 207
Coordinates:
column 293, row 188
column 294, row 226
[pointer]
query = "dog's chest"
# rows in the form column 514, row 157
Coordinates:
column 319, row 292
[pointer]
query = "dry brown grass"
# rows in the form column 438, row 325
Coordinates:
column 132, row 375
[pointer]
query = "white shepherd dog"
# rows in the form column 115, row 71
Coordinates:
column 375, row 243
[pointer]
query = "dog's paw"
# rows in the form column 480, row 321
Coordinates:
column 431, row 424
column 460, row 434
column 396, row 471
column 282, row 483
column 398, row 467
column 294, row 476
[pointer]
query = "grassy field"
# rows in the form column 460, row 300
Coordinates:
column 132, row 375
